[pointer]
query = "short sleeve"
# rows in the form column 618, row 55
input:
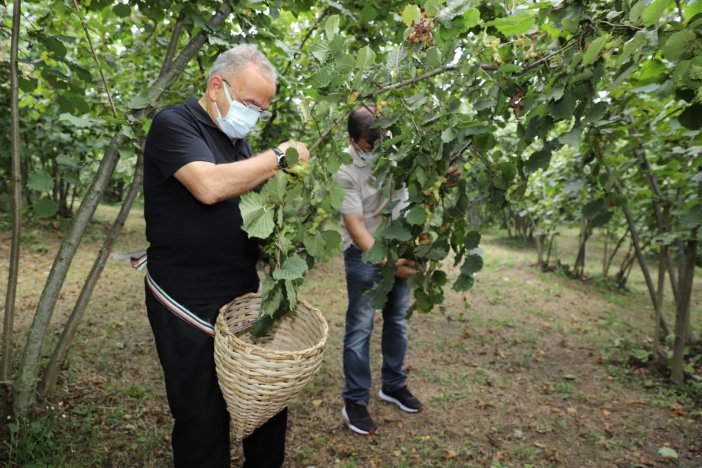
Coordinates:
column 352, row 193
column 173, row 142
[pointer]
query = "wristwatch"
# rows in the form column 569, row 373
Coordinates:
column 282, row 161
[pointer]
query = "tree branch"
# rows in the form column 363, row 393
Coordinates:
column 416, row 79
column 97, row 60
column 173, row 44
column 15, row 200
column 543, row 60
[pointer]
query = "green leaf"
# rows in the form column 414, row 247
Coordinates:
column 397, row 231
column 138, row 102
column 75, row 121
column 538, row 160
column 636, row 12
column 376, row 254
column 667, row 452
column 564, row 107
column 463, row 283
column 337, row 195
column 691, row 117
column 332, row 243
column 365, row 58
column 320, row 50
column 45, row 208
column 55, row 46
column 509, row 68
column 471, row 240
column 416, row 216
column 693, row 9
column 471, row 17
column 66, row 160
column 472, row 265
column 122, row 10
column 258, row 220
column 40, row 181
column 291, row 294
column 513, row 25
column 411, row 13
column 594, row 49
column 508, row 170
column 292, row 268
column 331, row 26
column 691, row 218
column 314, row 243
column 654, row 11
column 591, row 209
column 679, row 44
column 448, row 135
column 602, row 218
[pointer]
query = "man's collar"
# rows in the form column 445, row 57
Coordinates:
column 200, row 113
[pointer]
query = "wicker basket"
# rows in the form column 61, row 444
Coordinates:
column 259, row 380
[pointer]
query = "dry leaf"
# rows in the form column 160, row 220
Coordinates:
column 605, row 412
column 450, row 454
column 316, row 403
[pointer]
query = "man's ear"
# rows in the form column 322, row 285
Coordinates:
column 214, row 85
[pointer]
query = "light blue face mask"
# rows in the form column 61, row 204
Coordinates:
column 239, row 121
column 368, row 157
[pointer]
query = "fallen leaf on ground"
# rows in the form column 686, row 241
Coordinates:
column 450, row 454
column 646, row 461
column 606, row 412
column 316, row 403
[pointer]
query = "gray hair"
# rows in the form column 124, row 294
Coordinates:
column 241, row 56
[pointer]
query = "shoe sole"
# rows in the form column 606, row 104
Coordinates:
column 406, row 409
column 354, row 428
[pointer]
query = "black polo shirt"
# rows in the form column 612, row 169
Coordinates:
column 197, row 253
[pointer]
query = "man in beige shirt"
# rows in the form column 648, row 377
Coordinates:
column 362, row 213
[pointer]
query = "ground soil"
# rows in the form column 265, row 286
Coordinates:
column 526, row 369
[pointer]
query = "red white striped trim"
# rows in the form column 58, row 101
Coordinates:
column 180, row 311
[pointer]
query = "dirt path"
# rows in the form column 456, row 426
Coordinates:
column 525, row 370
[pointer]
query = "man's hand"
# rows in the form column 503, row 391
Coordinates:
column 453, row 174
column 405, row 268
column 303, row 154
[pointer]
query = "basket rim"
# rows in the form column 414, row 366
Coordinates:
column 222, row 329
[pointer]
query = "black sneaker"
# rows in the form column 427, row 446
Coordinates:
column 358, row 419
column 403, row 398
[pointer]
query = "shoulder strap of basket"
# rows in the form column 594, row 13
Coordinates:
column 180, row 311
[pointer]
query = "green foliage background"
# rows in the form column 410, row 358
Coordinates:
column 544, row 105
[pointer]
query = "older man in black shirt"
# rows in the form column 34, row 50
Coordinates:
column 197, row 164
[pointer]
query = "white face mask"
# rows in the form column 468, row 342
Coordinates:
column 369, row 157
column 239, row 121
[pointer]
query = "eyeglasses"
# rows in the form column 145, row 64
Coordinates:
column 263, row 115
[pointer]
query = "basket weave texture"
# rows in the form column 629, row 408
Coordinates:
column 259, row 379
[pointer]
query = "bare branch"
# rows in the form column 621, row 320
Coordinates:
column 97, row 60
column 173, row 44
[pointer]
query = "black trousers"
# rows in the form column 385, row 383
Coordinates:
column 201, row 428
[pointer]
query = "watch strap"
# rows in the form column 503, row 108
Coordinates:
column 282, row 160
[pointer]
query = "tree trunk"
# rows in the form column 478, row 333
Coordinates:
column 605, row 255
column 27, row 376
column 614, row 252
column 660, row 296
column 550, row 247
column 579, row 268
column 16, row 199
column 682, row 315
column 49, row 382
column 640, row 256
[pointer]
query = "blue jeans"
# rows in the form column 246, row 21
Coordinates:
column 360, row 278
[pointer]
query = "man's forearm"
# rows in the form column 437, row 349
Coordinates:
column 212, row 183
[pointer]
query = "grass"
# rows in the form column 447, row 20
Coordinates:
column 527, row 369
